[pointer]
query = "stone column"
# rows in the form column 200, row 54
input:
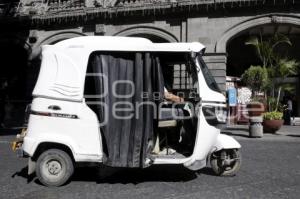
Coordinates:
column 216, row 62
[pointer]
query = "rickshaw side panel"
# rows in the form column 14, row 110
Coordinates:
column 75, row 126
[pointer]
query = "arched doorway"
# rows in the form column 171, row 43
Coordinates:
column 154, row 34
column 153, row 38
column 13, row 80
column 241, row 56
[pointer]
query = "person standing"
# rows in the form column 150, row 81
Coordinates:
column 289, row 110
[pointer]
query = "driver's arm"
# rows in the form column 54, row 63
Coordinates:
column 171, row 97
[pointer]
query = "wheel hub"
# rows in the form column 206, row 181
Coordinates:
column 54, row 167
column 227, row 162
column 226, row 159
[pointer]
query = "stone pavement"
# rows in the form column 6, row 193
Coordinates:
column 270, row 169
column 286, row 133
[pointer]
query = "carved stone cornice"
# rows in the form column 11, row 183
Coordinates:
column 53, row 9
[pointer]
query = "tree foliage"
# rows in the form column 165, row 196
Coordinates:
column 256, row 78
column 265, row 49
column 277, row 66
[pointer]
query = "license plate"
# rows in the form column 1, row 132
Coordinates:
column 17, row 143
column 14, row 146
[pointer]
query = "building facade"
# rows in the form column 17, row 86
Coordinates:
column 221, row 25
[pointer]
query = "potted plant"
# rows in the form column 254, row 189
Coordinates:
column 278, row 68
column 256, row 78
column 272, row 121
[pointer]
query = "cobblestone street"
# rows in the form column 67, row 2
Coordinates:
column 270, row 169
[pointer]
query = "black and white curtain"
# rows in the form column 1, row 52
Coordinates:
column 132, row 82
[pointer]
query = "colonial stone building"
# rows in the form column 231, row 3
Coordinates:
column 221, row 25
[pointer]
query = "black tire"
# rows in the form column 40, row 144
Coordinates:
column 54, row 167
column 229, row 170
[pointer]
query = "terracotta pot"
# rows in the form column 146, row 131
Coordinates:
column 255, row 109
column 271, row 126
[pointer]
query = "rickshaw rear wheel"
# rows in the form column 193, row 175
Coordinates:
column 226, row 162
column 54, row 167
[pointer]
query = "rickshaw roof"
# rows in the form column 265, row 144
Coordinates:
column 114, row 43
column 64, row 64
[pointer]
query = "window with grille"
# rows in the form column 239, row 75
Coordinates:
column 176, row 68
column 181, row 77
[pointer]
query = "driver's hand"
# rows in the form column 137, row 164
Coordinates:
column 173, row 98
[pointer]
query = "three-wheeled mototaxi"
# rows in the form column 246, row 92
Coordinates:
column 125, row 102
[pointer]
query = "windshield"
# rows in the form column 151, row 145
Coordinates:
column 210, row 80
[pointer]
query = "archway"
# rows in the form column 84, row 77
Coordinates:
column 60, row 37
column 14, row 93
column 153, row 38
column 241, row 56
column 154, row 34
column 252, row 23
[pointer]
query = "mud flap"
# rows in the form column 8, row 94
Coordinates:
column 31, row 166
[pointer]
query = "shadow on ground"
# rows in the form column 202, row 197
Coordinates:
column 234, row 134
column 162, row 173
column 237, row 128
column 292, row 135
column 107, row 175
column 24, row 174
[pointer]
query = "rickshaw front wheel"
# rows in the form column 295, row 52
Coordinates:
column 226, row 162
column 54, row 167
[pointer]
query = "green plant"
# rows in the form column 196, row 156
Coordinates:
column 277, row 66
column 274, row 115
column 284, row 68
column 256, row 78
column 274, row 106
column 265, row 48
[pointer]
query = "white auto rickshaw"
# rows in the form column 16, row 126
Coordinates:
column 103, row 99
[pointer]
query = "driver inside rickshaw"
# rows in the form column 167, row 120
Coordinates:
column 173, row 136
column 171, row 97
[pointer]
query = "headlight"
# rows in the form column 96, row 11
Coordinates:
column 215, row 115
